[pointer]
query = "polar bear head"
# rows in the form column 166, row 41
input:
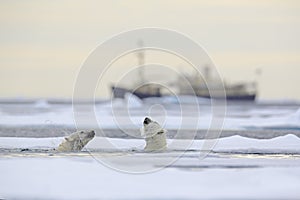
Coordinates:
column 76, row 141
column 154, row 135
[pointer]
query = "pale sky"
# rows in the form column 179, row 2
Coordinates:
column 44, row 43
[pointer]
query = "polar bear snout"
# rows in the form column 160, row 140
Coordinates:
column 147, row 121
column 91, row 134
column 86, row 134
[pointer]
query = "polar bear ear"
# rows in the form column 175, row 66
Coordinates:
column 67, row 138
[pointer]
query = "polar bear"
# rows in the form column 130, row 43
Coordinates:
column 76, row 141
column 154, row 135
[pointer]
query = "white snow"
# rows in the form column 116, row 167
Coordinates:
column 218, row 176
column 42, row 104
column 84, row 178
column 287, row 143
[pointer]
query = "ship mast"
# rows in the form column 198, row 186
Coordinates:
column 141, row 61
column 207, row 73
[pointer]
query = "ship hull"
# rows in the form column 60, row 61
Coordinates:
column 248, row 97
column 119, row 92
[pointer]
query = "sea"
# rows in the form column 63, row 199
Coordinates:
column 122, row 118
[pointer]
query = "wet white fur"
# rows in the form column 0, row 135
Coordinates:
column 155, row 137
column 76, row 141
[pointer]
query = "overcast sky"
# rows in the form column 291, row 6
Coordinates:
column 44, row 43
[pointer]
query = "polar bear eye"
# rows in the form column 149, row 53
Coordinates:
column 81, row 131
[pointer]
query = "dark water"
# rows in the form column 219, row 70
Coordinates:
column 249, row 112
column 61, row 131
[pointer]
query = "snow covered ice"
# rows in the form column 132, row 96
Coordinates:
column 114, row 166
column 220, row 175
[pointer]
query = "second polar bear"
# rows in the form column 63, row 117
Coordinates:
column 154, row 135
column 76, row 141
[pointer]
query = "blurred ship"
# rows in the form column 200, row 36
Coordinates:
column 244, row 91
